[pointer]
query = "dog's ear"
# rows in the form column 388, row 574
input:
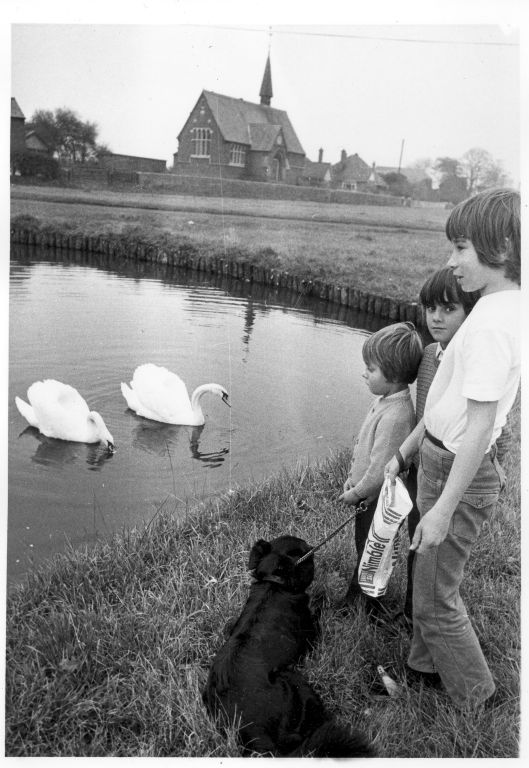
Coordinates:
column 257, row 552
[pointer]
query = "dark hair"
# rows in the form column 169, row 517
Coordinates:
column 397, row 350
column 442, row 288
column 491, row 221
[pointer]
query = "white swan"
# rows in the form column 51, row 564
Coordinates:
column 158, row 394
column 58, row 410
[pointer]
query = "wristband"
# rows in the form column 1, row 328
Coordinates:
column 400, row 459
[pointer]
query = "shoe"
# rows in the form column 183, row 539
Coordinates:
column 428, row 679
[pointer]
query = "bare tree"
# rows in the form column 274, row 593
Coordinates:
column 481, row 170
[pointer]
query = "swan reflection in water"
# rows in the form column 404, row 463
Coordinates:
column 155, row 437
column 58, row 453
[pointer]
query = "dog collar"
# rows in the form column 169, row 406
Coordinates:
column 273, row 579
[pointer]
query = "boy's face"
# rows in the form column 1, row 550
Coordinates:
column 470, row 273
column 443, row 320
column 376, row 381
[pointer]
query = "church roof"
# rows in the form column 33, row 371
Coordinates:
column 262, row 137
column 243, row 122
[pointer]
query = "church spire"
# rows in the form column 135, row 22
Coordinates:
column 266, row 86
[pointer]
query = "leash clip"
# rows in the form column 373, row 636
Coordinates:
column 361, row 507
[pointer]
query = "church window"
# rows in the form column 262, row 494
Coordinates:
column 201, row 142
column 237, row 154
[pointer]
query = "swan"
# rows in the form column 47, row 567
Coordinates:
column 58, row 410
column 158, row 394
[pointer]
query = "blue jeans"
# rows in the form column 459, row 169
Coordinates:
column 444, row 640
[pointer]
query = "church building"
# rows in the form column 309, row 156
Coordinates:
column 226, row 137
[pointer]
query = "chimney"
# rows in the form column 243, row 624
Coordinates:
column 344, row 155
column 320, row 156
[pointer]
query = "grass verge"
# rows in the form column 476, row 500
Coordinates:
column 381, row 250
column 108, row 649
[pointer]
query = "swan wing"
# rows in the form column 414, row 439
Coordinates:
column 60, row 410
column 27, row 412
column 130, row 396
column 162, row 394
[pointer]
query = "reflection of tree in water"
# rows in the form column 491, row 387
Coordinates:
column 59, row 453
column 249, row 320
column 155, row 437
column 259, row 298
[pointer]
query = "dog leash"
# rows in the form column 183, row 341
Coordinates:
column 303, row 505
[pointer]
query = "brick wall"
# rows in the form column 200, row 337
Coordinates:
column 117, row 162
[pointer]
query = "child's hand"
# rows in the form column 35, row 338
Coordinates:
column 392, row 469
column 431, row 530
column 348, row 485
column 349, row 497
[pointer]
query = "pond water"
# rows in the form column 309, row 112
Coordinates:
column 292, row 366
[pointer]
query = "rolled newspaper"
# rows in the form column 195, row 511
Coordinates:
column 382, row 545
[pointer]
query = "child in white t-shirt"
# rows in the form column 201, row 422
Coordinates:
column 459, row 478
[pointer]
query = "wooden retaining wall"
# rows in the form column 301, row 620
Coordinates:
column 187, row 256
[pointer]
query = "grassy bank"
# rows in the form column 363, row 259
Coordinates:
column 384, row 251
column 107, row 650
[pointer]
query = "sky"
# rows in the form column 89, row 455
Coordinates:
column 426, row 90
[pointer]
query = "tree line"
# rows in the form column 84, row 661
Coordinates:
column 453, row 179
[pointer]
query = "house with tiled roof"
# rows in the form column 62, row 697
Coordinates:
column 23, row 140
column 351, row 172
column 316, row 174
column 232, row 138
column 36, row 143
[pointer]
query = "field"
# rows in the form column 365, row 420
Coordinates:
column 382, row 250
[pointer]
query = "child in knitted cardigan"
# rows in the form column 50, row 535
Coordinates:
column 392, row 356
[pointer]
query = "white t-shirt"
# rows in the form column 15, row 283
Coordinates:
column 481, row 362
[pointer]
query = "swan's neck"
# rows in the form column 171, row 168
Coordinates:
column 197, row 394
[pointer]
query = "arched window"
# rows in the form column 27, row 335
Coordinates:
column 201, row 142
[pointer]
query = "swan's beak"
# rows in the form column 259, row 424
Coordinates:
column 110, row 447
column 225, row 399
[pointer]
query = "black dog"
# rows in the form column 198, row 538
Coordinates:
column 252, row 681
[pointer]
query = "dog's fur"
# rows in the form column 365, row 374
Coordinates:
column 252, row 682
